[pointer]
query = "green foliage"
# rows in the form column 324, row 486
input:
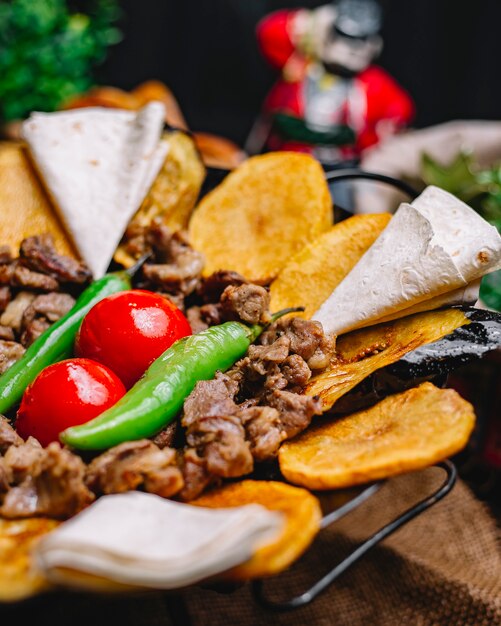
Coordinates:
column 481, row 189
column 47, row 53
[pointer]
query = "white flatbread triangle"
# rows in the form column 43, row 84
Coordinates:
column 431, row 251
column 97, row 164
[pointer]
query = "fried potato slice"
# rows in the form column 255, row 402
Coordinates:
column 173, row 193
column 312, row 274
column 362, row 352
column 264, row 212
column 25, row 208
column 18, row 578
column 302, row 522
column 405, row 432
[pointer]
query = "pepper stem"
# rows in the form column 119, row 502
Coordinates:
column 134, row 269
column 295, row 309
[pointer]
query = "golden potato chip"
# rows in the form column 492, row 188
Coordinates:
column 405, row 432
column 302, row 522
column 25, row 209
column 312, row 274
column 174, row 192
column 362, row 352
column 264, row 212
column 18, row 578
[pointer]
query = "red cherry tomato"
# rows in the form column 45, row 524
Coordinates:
column 66, row 394
column 129, row 330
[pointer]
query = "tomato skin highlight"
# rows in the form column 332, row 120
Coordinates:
column 129, row 330
column 67, row 393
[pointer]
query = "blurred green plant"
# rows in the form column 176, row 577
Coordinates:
column 481, row 189
column 48, row 53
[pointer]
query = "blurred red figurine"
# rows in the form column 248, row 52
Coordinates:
column 330, row 100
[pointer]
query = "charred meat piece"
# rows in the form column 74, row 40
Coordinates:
column 248, row 303
column 10, row 352
column 296, row 370
column 6, row 333
column 210, row 398
column 8, row 436
column 5, row 297
column 25, row 277
column 5, row 255
column 6, row 273
column 166, row 437
column 39, row 315
column 135, row 464
column 38, row 254
column 296, row 411
column 24, row 459
column 306, row 337
column 213, row 286
column 53, row 485
column 212, row 314
column 263, row 430
column 178, row 267
column 5, row 477
column 196, row 476
column 194, row 317
column 51, row 305
column 13, row 314
column 220, row 440
column 33, row 331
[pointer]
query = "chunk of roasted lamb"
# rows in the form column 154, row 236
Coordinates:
column 38, row 254
column 53, row 485
column 135, row 464
column 10, row 352
column 248, row 303
column 8, row 436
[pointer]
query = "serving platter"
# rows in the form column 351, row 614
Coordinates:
column 483, row 333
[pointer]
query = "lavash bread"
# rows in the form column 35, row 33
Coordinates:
column 431, row 254
column 97, row 165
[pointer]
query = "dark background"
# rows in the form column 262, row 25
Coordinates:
column 445, row 52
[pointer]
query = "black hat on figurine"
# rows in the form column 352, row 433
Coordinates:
column 358, row 19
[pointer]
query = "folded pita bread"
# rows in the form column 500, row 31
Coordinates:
column 97, row 164
column 432, row 253
column 144, row 540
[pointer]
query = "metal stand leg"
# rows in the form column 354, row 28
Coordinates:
column 321, row 585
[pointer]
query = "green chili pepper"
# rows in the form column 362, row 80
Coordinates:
column 158, row 397
column 56, row 343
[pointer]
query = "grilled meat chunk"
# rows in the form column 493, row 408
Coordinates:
column 24, row 459
column 13, row 314
column 263, row 430
column 196, row 476
column 6, row 333
column 135, row 464
column 8, row 436
column 210, row 398
column 220, row 440
column 38, row 254
column 212, row 287
column 53, row 487
column 306, row 337
column 246, row 303
column 177, row 266
column 5, row 297
column 24, row 277
column 10, row 352
column 41, row 313
column 166, row 437
column 5, row 477
column 296, row 411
